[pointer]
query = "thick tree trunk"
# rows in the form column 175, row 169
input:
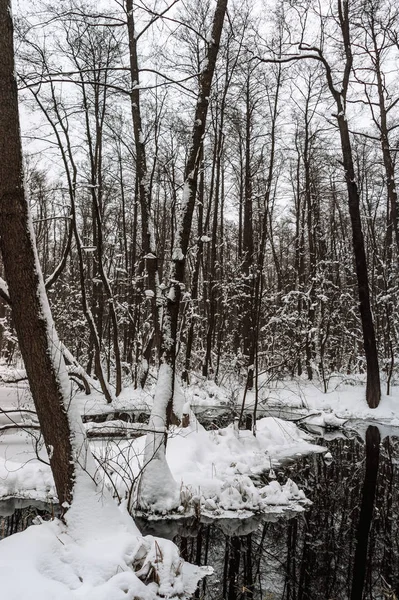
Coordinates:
column 373, row 389
column 38, row 342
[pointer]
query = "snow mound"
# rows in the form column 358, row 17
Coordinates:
column 326, row 420
column 220, row 471
column 217, row 472
column 118, row 567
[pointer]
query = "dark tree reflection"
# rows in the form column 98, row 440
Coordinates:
column 346, row 546
column 366, row 511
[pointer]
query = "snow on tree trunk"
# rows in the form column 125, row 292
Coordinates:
column 158, row 489
column 165, row 409
column 59, row 417
column 100, row 541
column 44, row 364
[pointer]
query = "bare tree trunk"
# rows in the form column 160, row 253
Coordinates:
column 96, row 191
column 376, row 54
column 196, row 274
column 163, row 412
column 247, row 324
column 213, row 257
column 150, row 261
column 310, row 216
column 38, row 341
column 189, row 194
column 71, row 172
column 373, row 388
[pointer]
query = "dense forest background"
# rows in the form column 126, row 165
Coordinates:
column 270, row 286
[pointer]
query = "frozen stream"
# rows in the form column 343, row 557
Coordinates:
column 311, row 557
column 322, row 554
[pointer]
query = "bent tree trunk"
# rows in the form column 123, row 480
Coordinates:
column 38, row 341
column 163, row 411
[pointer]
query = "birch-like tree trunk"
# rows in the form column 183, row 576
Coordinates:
column 158, row 488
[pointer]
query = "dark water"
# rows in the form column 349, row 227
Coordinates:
column 18, row 514
column 346, row 546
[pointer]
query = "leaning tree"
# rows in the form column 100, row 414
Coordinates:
column 40, row 348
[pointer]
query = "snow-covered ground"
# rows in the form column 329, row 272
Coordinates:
column 223, row 473
column 345, row 399
column 216, row 468
column 99, row 554
column 292, row 398
column 218, row 471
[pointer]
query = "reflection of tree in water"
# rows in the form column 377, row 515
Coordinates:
column 366, row 513
column 313, row 556
column 328, row 553
column 18, row 514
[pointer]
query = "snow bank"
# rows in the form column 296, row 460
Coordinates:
column 97, row 554
column 215, row 471
column 296, row 397
column 218, row 472
column 219, row 467
column 45, row 562
column 345, row 398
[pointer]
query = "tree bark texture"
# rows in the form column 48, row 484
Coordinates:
column 373, row 387
column 150, row 260
column 25, row 282
column 170, row 319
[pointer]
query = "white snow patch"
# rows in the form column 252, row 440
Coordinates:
column 45, row 562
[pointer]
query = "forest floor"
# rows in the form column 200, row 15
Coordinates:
column 222, row 471
column 329, row 405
